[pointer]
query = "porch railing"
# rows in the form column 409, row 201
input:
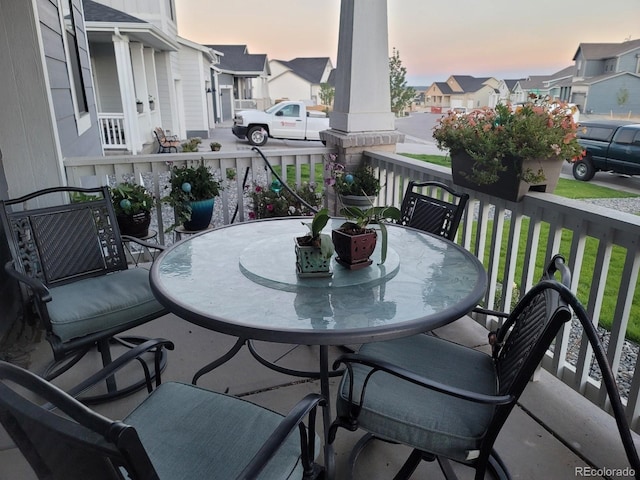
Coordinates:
column 513, row 240
column 112, row 131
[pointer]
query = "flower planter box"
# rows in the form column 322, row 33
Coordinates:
column 353, row 250
column 509, row 186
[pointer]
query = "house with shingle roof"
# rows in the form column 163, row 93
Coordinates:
column 604, row 79
column 146, row 76
column 464, row 91
column 243, row 79
column 300, row 78
column 607, row 78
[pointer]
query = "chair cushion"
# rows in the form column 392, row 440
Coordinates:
column 192, row 433
column 398, row 410
column 122, row 298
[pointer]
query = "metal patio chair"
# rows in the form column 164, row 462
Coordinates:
column 449, row 402
column 432, row 213
column 179, row 431
column 70, row 263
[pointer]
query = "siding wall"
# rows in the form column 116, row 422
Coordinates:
column 31, row 158
column 193, row 87
column 105, row 69
column 291, row 86
column 603, row 96
column 72, row 142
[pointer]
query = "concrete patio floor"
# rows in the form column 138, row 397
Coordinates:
column 533, row 443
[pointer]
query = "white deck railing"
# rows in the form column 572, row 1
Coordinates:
column 493, row 229
column 112, row 131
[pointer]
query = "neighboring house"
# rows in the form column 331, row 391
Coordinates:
column 299, row 79
column 242, row 80
column 607, row 78
column 199, row 80
column 133, row 63
column 464, row 91
column 604, row 79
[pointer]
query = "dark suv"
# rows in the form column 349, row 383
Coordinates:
column 610, row 145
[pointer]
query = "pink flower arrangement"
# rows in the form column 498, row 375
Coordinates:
column 537, row 129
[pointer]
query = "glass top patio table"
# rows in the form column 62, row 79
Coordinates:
column 241, row 280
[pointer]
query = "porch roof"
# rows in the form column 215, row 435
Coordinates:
column 103, row 22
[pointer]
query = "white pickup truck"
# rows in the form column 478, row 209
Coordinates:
column 285, row 120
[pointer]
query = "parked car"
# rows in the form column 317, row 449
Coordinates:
column 611, row 146
column 285, row 120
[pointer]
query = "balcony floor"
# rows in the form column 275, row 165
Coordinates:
column 532, row 443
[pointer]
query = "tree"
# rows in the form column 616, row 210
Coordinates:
column 327, row 92
column 401, row 95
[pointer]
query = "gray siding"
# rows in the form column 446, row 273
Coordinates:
column 72, row 143
column 603, row 96
column 629, row 62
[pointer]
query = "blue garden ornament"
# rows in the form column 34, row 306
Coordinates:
column 276, row 186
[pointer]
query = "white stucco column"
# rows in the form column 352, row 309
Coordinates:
column 127, row 90
column 361, row 118
column 362, row 101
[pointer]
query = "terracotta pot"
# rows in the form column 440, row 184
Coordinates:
column 201, row 213
column 136, row 225
column 509, row 186
column 353, row 250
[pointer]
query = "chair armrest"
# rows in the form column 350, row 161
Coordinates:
column 36, row 285
column 400, row 372
column 143, row 243
column 121, row 361
column 486, row 311
column 293, row 420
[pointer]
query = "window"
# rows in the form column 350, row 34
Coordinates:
column 595, row 133
column 625, row 136
column 73, row 62
column 290, row 111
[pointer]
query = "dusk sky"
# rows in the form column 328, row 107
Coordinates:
column 499, row 38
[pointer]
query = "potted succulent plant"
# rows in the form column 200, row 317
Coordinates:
column 215, row 146
column 193, row 192
column 132, row 204
column 355, row 241
column 507, row 150
column 315, row 249
column 357, row 188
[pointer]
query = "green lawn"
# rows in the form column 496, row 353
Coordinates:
column 612, row 285
column 575, row 189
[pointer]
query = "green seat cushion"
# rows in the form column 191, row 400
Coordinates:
column 192, row 433
column 398, row 410
column 90, row 305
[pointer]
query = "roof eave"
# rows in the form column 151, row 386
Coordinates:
column 146, row 33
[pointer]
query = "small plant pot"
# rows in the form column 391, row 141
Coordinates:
column 201, row 213
column 136, row 225
column 354, row 249
column 361, row 201
column 139, row 107
column 310, row 262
